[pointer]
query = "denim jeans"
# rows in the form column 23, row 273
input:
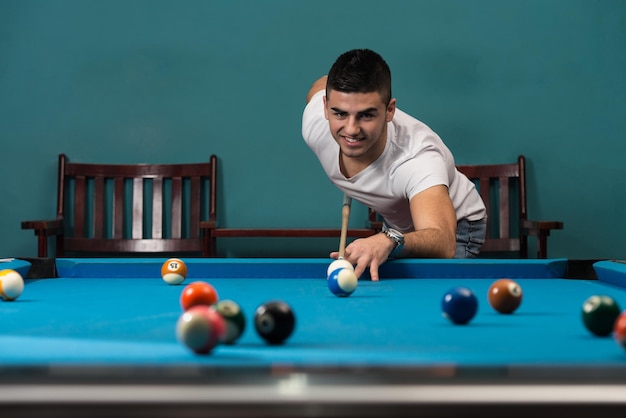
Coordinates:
column 470, row 236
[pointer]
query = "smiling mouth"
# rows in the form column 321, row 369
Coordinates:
column 351, row 140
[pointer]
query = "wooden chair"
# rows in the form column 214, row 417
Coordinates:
column 143, row 208
column 500, row 185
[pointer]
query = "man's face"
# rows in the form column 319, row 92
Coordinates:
column 358, row 122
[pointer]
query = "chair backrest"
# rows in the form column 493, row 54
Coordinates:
column 503, row 189
column 135, row 208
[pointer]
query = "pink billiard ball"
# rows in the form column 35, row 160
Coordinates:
column 201, row 328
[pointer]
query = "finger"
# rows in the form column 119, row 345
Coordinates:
column 359, row 269
column 374, row 271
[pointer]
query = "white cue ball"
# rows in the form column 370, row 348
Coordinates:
column 339, row 264
column 11, row 284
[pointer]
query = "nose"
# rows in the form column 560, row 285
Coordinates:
column 352, row 127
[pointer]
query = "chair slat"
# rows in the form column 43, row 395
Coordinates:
column 137, row 228
column 80, row 203
column 177, row 204
column 118, row 208
column 195, row 204
column 504, row 207
column 98, row 207
column 157, row 208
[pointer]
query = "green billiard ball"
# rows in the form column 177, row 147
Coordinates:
column 599, row 313
column 235, row 320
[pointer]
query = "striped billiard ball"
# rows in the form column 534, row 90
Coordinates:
column 11, row 284
column 342, row 282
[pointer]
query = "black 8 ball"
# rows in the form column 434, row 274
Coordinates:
column 274, row 321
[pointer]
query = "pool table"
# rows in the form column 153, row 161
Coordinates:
column 97, row 338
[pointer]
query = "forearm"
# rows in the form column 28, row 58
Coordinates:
column 429, row 243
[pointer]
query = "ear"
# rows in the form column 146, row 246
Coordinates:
column 391, row 110
column 325, row 108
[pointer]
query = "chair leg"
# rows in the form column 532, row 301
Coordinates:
column 542, row 245
column 523, row 247
column 42, row 244
column 60, row 249
column 213, row 247
column 208, row 245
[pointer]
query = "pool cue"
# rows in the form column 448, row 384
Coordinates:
column 345, row 217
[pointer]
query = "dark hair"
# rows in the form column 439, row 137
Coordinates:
column 360, row 71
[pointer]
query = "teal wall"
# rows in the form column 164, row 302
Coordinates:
column 174, row 81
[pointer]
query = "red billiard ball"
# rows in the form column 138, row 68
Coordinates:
column 274, row 321
column 198, row 293
column 599, row 313
column 505, row 295
column 619, row 330
column 174, row 271
column 201, row 328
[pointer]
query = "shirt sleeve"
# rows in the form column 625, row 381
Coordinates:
column 314, row 124
column 426, row 170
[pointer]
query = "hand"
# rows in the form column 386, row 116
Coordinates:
column 367, row 252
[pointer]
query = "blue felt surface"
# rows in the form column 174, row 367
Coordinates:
column 20, row 266
column 613, row 272
column 77, row 320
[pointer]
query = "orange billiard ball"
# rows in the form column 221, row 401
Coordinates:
column 174, row 271
column 505, row 295
column 198, row 293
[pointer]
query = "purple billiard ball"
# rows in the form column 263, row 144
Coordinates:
column 459, row 305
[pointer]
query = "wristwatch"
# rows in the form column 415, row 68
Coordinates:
column 398, row 238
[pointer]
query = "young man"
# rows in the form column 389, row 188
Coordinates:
column 392, row 163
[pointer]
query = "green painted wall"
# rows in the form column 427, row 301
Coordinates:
column 158, row 81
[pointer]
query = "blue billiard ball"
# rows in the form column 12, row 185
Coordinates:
column 342, row 282
column 459, row 305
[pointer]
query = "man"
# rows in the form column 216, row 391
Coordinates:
column 392, row 163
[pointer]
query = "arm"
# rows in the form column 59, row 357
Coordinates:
column 320, row 84
column 435, row 225
column 434, row 236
